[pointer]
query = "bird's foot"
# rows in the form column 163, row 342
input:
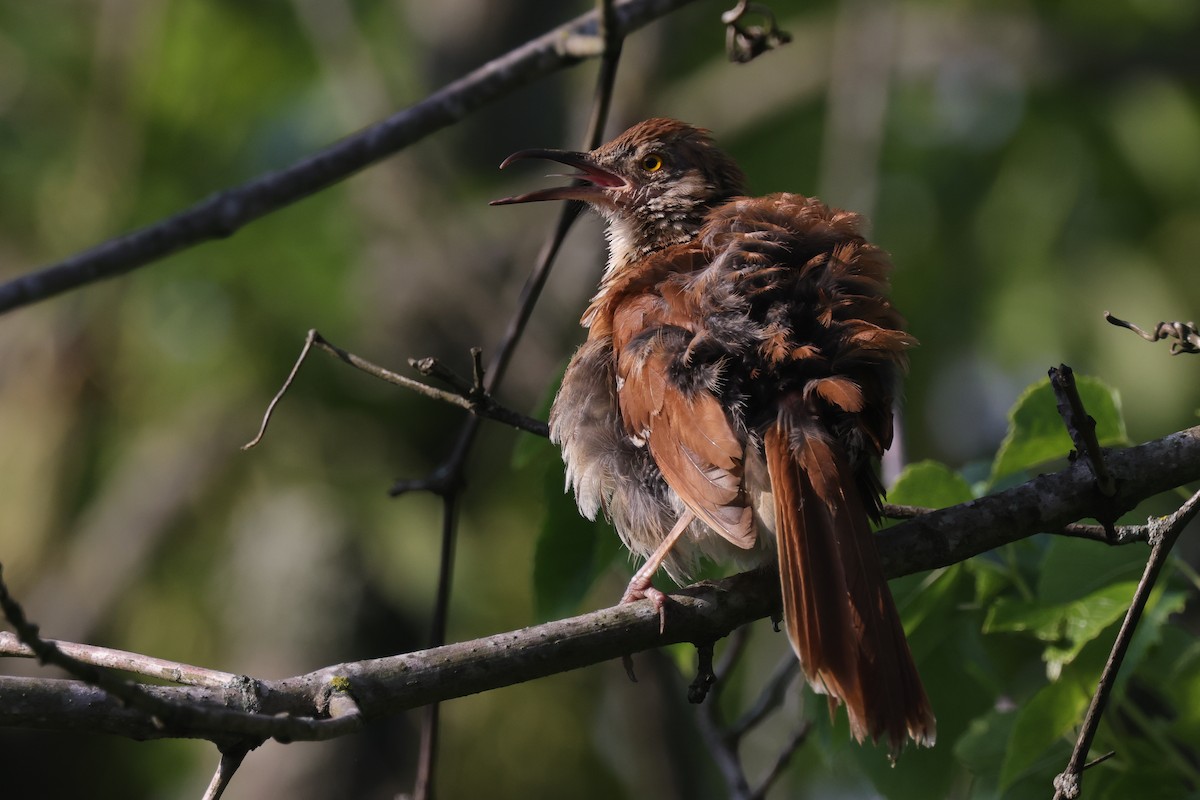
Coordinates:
column 640, row 588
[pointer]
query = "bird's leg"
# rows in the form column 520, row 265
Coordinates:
column 640, row 586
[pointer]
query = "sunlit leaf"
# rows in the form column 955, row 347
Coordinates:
column 1066, row 627
column 930, row 484
column 1086, row 619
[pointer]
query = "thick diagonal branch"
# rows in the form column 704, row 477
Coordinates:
column 386, row 686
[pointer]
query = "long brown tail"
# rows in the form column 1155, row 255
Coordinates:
column 837, row 608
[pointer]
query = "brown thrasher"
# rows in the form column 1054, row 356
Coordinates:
column 732, row 396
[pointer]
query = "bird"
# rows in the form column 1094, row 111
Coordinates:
column 732, row 399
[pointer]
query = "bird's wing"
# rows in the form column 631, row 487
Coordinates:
column 667, row 398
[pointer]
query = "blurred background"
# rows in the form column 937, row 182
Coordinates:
column 1028, row 164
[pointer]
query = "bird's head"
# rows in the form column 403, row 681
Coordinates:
column 654, row 183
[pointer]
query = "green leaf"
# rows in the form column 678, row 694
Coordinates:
column 1036, row 433
column 981, row 749
column 1041, row 722
column 1066, row 627
column 1010, row 615
column 930, row 484
column 1086, row 619
column 1074, row 568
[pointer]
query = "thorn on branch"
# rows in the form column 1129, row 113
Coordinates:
column 1186, row 334
column 745, row 43
column 1099, row 759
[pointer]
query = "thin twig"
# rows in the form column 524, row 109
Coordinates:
column 287, row 384
column 480, row 404
column 171, row 713
column 769, row 697
column 798, row 737
column 723, row 740
column 1186, row 334
column 433, row 368
column 184, row 674
column 1080, row 425
column 224, row 213
column 47, row 652
column 447, row 478
column 231, row 759
column 1166, row 532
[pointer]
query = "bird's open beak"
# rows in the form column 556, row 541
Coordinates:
column 590, row 184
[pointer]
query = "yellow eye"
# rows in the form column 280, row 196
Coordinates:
column 652, row 162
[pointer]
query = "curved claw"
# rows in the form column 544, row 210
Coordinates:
column 641, row 589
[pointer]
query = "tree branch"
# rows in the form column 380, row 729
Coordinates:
column 385, row 686
column 1167, row 532
column 225, row 212
column 475, row 399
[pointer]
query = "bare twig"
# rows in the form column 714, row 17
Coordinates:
column 231, row 759
column 1166, row 532
column 469, row 397
column 47, row 652
column 225, row 212
column 724, row 740
column 798, row 737
column 287, row 384
column 172, row 713
column 1186, row 334
column 1080, row 425
column 769, row 698
column 432, row 368
column 447, row 478
column 151, row 667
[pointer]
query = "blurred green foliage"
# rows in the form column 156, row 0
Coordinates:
column 1028, row 164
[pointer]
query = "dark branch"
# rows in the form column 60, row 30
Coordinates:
column 1080, row 426
column 706, row 612
column 225, row 212
column 473, row 398
column 1167, row 532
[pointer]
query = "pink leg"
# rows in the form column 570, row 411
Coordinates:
column 640, row 586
